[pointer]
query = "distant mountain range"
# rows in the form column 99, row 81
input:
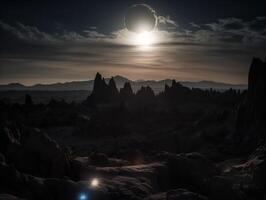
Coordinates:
column 157, row 86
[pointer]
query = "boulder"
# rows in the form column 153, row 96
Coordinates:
column 257, row 165
column 34, row 152
column 192, row 171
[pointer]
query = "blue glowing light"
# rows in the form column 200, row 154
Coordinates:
column 82, row 197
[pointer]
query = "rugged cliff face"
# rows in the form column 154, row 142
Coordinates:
column 251, row 115
column 103, row 92
column 256, row 97
column 126, row 92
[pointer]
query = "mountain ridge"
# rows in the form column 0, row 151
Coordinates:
column 156, row 85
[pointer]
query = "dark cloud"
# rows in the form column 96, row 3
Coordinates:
column 259, row 24
column 234, row 30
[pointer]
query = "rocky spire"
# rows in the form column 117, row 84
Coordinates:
column 112, row 89
column 145, row 92
column 257, row 82
column 28, row 100
column 251, row 114
column 126, row 92
column 99, row 89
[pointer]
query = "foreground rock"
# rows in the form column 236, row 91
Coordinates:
column 251, row 114
column 192, row 171
column 178, row 194
column 33, row 152
column 9, row 197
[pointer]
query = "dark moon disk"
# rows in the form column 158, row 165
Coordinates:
column 139, row 18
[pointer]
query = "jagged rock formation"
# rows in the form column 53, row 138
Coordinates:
column 176, row 92
column 251, row 116
column 107, row 93
column 145, row 93
column 103, row 92
column 126, row 92
column 112, row 91
column 28, row 100
column 256, row 96
column 99, row 89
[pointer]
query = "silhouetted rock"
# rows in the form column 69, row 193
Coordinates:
column 31, row 187
column 257, row 84
column 28, row 100
column 99, row 92
column 257, row 164
column 251, row 115
column 112, row 91
column 102, row 92
column 145, row 96
column 192, row 171
column 256, row 96
column 145, row 92
column 126, row 92
column 176, row 93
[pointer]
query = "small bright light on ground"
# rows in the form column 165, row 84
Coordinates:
column 82, row 197
column 94, row 182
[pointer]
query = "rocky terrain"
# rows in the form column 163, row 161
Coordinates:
column 181, row 144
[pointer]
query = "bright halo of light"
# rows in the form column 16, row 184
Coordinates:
column 82, row 196
column 94, row 182
column 145, row 38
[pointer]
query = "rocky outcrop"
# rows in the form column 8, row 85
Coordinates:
column 177, row 194
column 99, row 89
column 28, row 100
column 112, row 91
column 33, row 152
column 257, row 165
column 256, row 95
column 103, row 92
column 108, row 93
column 251, row 117
column 176, row 92
column 192, row 171
column 145, row 96
column 145, row 92
column 126, row 92
column 19, row 184
column 257, row 85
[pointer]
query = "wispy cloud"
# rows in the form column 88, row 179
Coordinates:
column 166, row 22
column 218, row 50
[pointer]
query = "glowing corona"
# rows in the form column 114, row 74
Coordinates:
column 94, row 182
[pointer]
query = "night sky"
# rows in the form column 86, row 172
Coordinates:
column 58, row 41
